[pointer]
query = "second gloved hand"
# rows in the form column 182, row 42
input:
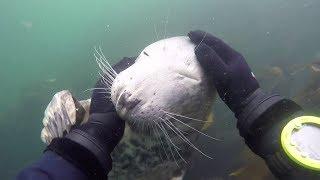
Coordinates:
column 89, row 146
column 227, row 69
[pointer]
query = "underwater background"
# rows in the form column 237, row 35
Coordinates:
column 47, row 46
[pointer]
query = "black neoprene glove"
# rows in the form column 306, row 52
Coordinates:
column 88, row 146
column 225, row 67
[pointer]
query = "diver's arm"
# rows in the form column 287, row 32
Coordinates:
column 264, row 121
column 84, row 153
column 51, row 167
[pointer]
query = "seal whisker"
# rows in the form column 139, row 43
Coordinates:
column 202, row 133
column 156, row 32
column 106, row 78
column 183, row 137
column 204, row 36
column 107, row 73
column 107, row 82
column 165, row 30
column 165, row 25
column 103, row 64
column 179, row 115
column 92, row 89
column 134, row 122
column 168, row 134
column 178, row 135
column 156, row 150
column 198, row 45
column 168, row 143
column 104, row 60
column 161, row 142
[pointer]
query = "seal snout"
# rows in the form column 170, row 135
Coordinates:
column 126, row 101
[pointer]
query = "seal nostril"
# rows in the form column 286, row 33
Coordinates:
column 126, row 102
column 126, row 94
column 132, row 104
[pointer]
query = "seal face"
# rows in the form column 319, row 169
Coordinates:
column 165, row 79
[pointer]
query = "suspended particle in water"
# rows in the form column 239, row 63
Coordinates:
column 108, row 27
column 268, row 33
column 27, row 24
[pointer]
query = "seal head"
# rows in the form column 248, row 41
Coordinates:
column 165, row 79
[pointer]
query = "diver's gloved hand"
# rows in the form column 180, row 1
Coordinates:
column 261, row 117
column 88, row 146
column 226, row 68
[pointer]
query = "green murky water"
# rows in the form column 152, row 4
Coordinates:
column 47, row 46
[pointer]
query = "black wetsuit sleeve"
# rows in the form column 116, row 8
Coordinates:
column 51, row 167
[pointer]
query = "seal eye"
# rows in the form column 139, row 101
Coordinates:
column 145, row 53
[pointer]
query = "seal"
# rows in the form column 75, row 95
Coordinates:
column 166, row 101
column 165, row 79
